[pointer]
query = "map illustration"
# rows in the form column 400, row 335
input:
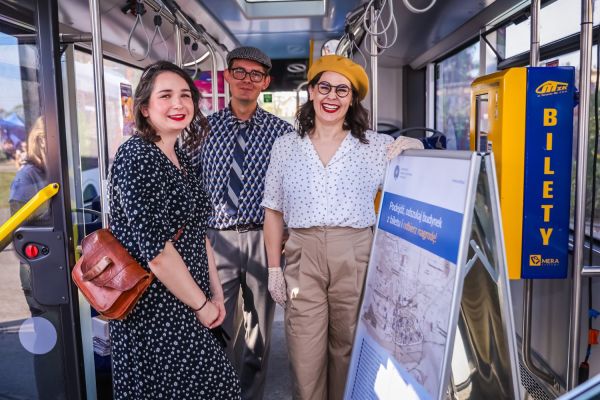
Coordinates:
column 407, row 305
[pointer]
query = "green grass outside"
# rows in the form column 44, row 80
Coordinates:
column 6, row 179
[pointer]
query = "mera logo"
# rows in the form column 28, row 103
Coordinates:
column 536, row 260
column 552, row 87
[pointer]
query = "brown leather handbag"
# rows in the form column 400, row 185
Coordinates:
column 108, row 276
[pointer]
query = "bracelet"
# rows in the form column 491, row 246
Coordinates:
column 202, row 306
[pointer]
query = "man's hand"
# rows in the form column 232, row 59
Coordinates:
column 277, row 286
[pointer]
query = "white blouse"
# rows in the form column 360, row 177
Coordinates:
column 339, row 194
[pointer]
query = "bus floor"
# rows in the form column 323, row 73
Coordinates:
column 278, row 385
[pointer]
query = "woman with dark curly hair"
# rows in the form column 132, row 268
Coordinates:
column 322, row 182
column 164, row 348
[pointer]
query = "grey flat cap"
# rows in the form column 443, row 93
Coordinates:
column 249, row 53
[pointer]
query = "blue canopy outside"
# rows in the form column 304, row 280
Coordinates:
column 12, row 129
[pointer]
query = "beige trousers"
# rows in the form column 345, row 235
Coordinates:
column 325, row 273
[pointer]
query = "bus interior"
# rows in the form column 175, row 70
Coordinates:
column 73, row 66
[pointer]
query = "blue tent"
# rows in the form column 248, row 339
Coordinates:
column 13, row 128
column 15, row 119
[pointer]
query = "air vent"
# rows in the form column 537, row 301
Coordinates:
column 533, row 388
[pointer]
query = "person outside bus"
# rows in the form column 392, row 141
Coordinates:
column 322, row 182
column 232, row 164
column 164, row 348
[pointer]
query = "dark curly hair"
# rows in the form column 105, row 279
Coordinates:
column 195, row 133
column 356, row 120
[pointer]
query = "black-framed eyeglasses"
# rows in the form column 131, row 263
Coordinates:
column 240, row 74
column 325, row 87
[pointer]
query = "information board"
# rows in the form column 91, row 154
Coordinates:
column 407, row 320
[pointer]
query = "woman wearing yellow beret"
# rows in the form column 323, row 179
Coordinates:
column 321, row 181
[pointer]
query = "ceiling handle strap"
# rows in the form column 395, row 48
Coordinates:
column 139, row 11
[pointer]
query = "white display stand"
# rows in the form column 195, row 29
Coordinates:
column 411, row 308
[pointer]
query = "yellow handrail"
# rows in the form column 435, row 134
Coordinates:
column 25, row 212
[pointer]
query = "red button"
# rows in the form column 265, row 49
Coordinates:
column 31, row 251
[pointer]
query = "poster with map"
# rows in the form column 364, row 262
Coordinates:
column 409, row 297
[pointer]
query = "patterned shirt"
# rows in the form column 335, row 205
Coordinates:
column 213, row 163
column 341, row 193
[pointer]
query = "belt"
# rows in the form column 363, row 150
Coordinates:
column 243, row 227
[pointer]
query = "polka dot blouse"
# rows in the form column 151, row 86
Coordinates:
column 310, row 194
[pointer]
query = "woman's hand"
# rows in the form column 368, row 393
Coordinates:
column 401, row 144
column 277, row 286
column 220, row 304
column 208, row 315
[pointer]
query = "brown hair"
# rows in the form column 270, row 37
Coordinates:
column 195, row 133
column 356, row 119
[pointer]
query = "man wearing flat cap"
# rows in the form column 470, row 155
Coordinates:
column 232, row 164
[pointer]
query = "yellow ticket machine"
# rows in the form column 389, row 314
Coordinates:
column 525, row 116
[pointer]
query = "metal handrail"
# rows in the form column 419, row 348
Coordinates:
column 374, row 72
column 298, row 89
column 26, row 211
column 98, row 64
column 215, row 48
column 534, row 60
column 582, row 144
column 214, row 81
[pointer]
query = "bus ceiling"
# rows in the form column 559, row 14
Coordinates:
column 282, row 28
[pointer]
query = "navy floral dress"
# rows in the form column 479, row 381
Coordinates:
column 161, row 351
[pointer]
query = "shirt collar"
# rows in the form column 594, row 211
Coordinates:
column 347, row 144
column 257, row 119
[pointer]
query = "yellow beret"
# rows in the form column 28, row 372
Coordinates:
column 344, row 66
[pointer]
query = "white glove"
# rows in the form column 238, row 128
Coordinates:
column 277, row 286
column 401, row 144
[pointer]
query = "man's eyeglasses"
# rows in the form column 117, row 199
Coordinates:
column 240, row 74
column 325, row 87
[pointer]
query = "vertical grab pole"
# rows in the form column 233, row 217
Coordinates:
column 214, row 79
column 582, row 144
column 225, row 84
column 178, row 49
column 534, row 60
column 483, row 51
column 213, row 49
column 98, row 64
column 374, row 77
column 534, row 56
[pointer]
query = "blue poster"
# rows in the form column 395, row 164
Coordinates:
column 426, row 225
column 547, row 185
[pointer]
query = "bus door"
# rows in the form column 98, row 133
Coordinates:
column 39, row 323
